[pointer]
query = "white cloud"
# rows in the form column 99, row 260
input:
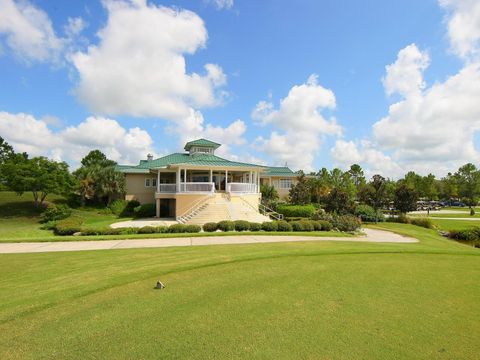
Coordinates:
column 221, row 4
column 300, row 122
column 405, row 75
column 463, row 26
column 28, row 32
column 139, row 69
column 25, row 133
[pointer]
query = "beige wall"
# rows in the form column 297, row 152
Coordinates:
column 275, row 181
column 136, row 190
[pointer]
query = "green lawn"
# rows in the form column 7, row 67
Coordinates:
column 454, row 224
column 322, row 300
column 464, row 215
column 19, row 219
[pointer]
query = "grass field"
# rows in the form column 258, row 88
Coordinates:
column 19, row 220
column 322, row 300
column 454, row 224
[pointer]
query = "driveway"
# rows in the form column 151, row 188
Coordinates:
column 372, row 235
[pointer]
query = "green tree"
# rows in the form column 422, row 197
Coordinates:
column 469, row 184
column 269, row 194
column 339, row 201
column 96, row 158
column 6, row 151
column 39, row 175
column 375, row 193
column 358, row 177
column 109, row 184
column 300, row 193
column 405, row 198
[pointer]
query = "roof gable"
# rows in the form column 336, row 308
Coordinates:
column 201, row 142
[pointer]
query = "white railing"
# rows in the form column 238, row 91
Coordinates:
column 167, row 188
column 197, row 187
column 242, row 188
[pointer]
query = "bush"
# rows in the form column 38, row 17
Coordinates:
column 471, row 235
column 423, row 222
column 297, row 225
column 192, row 228
column 326, row 225
column 123, row 208
column 290, row 219
column 283, row 226
column 322, row 215
column 317, row 225
column 55, row 212
column 210, row 227
column 144, row 211
column 347, row 223
column 226, row 225
column 307, row 225
column 255, row 226
column 68, row 226
column 129, row 231
column 305, row 211
column 242, row 225
column 269, row 226
column 147, row 230
column 50, row 225
column 367, row 214
column 177, row 228
column 104, row 231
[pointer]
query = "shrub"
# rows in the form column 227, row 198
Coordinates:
column 68, row 226
column 104, row 231
column 423, row 222
column 129, row 231
column 297, row 225
column 50, row 225
column 123, row 207
column 367, row 214
column 326, row 225
column 322, row 215
column 255, row 226
column 290, row 219
column 210, row 227
column 226, row 225
column 192, row 228
column 472, row 234
column 307, row 225
column 177, row 228
column 347, row 223
column 305, row 211
column 242, row 225
column 269, row 226
column 147, row 230
column 317, row 225
column 283, row 226
column 145, row 210
column 55, row 212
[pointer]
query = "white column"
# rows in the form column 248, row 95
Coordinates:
column 211, row 175
column 250, row 179
column 157, row 209
column 178, row 180
column 258, row 181
column 158, row 180
column 226, row 180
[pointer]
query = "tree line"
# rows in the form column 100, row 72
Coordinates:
column 95, row 181
column 341, row 191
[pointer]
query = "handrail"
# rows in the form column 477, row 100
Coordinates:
column 242, row 188
column 270, row 212
column 194, row 207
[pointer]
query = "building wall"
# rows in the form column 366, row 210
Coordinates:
column 136, row 190
column 275, row 181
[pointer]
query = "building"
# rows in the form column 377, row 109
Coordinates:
column 197, row 186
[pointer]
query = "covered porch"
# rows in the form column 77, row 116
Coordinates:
column 202, row 180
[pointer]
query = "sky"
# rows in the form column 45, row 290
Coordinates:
column 391, row 85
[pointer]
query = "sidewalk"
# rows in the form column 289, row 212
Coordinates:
column 11, row 248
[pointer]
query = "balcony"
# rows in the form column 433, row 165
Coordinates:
column 242, row 188
column 206, row 188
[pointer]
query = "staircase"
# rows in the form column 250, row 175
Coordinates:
column 219, row 207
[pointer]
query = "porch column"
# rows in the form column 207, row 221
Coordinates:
column 270, row 181
column 157, row 208
column 178, row 180
column 258, row 181
column 250, row 179
column 226, row 180
column 211, row 175
column 158, row 180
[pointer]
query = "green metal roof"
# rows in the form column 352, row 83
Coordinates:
column 279, row 171
column 201, row 142
column 182, row 158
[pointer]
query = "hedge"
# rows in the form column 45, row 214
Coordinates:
column 226, row 225
column 210, row 227
column 304, row 211
column 144, row 211
column 283, row 226
column 242, row 225
column 347, row 223
column 269, row 226
column 255, row 226
column 55, row 212
column 123, row 208
column 367, row 214
column 423, row 222
column 68, row 226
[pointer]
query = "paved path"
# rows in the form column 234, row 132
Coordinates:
column 456, row 218
column 10, row 248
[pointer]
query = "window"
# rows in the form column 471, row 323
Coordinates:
column 201, row 150
column 285, row 183
column 147, row 182
column 154, row 182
